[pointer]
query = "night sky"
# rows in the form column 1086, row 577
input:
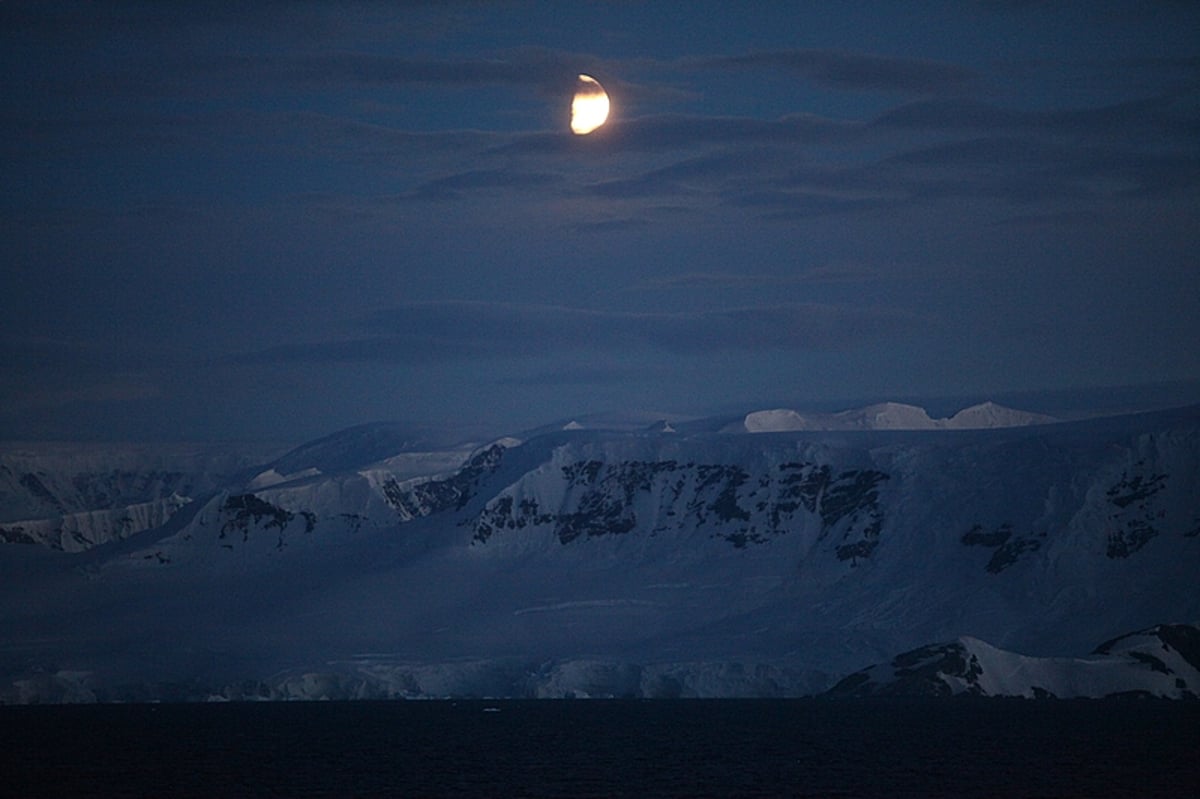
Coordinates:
column 275, row 220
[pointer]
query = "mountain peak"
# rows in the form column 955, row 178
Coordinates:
column 1156, row 662
column 888, row 416
column 990, row 414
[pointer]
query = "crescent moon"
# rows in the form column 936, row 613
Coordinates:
column 589, row 109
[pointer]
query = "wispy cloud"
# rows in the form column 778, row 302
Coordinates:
column 1156, row 114
column 856, row 71
column 116, row 389
column 830, row 273
column 435, row 331
column 583, row 375
column 512, row 180
column 673, row 132
column 544, row 69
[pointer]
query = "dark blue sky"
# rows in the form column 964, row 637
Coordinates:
column 274, row 220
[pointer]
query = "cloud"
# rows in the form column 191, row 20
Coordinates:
column 40, row 373
column 549, row 70
column 688, row 175
column 1055, row 220
column 1132, row 117
column 118, row 389
column 667, row 132
column 840, row 69
column 804, row 166
column 584, row 375
column 1047, row 168
column 829, row 273
column 1017, row 166
column 436, row 331
column 452, row 186
column 786, row 204
column 614, row 225
column 188, row 73
column 24, row 356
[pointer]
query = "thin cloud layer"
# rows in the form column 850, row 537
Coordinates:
column 853, row 71
column 421, row 332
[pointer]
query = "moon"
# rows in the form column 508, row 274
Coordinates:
column 589, row 109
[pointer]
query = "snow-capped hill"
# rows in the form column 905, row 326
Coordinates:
column 887, row 416
column 778, row 420
column 989, row 414
column 881, row 416
column 1163, row 661
column 631, row 421
column 271, row 477
column 1164, row 648
column 364, row 445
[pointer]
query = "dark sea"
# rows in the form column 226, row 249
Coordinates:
column 603, row 748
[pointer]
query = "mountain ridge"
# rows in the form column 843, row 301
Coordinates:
column 889, row 416
column 1162, row 662
column 643, row 562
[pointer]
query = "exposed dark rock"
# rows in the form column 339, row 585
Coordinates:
column 17, row 535
column 1135, row 489
column 1154, row 663
column 249, row 510
column 978, row 536
column 1135, row 513
column 1183, row 638
column 1124, row 542
column 602, row 499
column 33, row 484
column 1007, row 547
column 918, row 673
column 454, row 492
column 1010, row 552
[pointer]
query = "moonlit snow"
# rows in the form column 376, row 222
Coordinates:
column 891, row 416
column 997, row 553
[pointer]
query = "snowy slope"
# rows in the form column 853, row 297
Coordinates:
column 1163, row 661
column 647, row 563
column 76, row 532
column 989, row 414
column 75, row 496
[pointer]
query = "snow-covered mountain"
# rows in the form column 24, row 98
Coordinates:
column 663, row 560
column 1163, row 661
column 888, row 416
column 75, row 496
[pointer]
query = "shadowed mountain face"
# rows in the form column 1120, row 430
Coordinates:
column 644, row 563
column 73, row 497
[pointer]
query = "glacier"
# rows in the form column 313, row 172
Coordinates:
column 690, row 558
